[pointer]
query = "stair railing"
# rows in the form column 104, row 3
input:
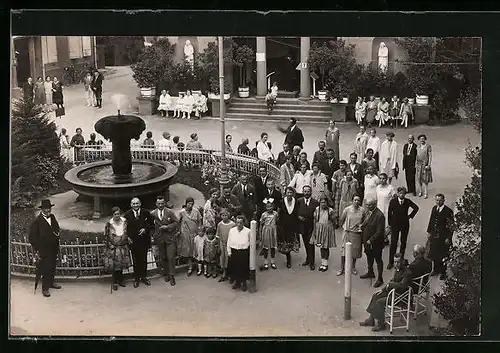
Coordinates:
column 269, row 79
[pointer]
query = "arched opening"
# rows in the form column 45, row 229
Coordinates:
column 391, row 45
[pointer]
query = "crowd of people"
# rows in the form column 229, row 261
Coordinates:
column 370, row 112
column 182, row 107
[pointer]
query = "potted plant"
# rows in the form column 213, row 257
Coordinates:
column 243, row 55
column 147, row 70
column 322, row 94
column 214, row 91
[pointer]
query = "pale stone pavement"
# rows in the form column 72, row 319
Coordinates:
column 288, row 302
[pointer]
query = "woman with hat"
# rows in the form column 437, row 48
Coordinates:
column 165, row 144
column 44, row 239
column 194, row 144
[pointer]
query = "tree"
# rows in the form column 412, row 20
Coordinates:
column 35, row 156
column 208, row 64
column 460, row 300
column 243, row 55
column 128, row 47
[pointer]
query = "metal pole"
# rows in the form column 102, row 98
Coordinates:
column 94, row 42
column 347, row 281
column 252, row 286
column 222, row 112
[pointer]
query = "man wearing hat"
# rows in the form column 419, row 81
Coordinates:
column 165, row 144
column 44, row 238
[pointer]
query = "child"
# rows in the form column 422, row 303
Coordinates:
column 324, row 231
column 222, row 233
column 210, row 253
column 268, row 226
column 199, row 242
column 179, row 106
column 270, row 100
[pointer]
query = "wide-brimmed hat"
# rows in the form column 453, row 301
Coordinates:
column 46, row 204
column 166, row 135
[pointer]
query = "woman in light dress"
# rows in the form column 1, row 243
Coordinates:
column 89, row 93
column 360, row 111
column 360, row 143
column 382, row 112
column 385, row 192
column 371, row 111
column 263, row 150
column 48, row 91
column 351, row 220
column 369, row 161
column 200, row 106
column 39, row 91
column 406, row 113
column 423, row 165
column 210, row 210
column 165, row 103
column 65, row 145
column 188, row 105
column 318, row 183
column 332, row 137
column 116, row 253
column 374, row 143
column 371, row 182
column 179, row 106
column 190, row 223
column 287, row 171
column 345, row 191
column 324, row 231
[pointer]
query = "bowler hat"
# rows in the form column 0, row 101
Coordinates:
column 46, row 204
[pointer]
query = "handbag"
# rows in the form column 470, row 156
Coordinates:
column 60, row 112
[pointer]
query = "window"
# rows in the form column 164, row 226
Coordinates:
column 75, row 47
column 49, row 49
column 87, row 46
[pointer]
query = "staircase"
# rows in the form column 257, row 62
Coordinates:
column 286, row 107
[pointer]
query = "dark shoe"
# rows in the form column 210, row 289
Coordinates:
column 390, row 266
column 122, row 284
column 288, row 265
column 378, row 283
column 367, row 275
column 136, row 283
column 312, row 267
column 115, row 286
column 368, row 322
column 379, row 327
column 46, row 293
column 231, row 281
column 207, row 274
column 146, row 281
column 167, row 278
column 190, row 272
column 442, row 277
column 214, row 275
column 237, row 285
column 172, row 281
column 222, row 279
column 244, row 286
column 55, row 286
column 264, row 267
column 306, row 263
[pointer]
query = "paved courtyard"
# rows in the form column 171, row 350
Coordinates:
column 295, row 302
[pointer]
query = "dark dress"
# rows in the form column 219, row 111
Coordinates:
column 57, row 93
column 288, row 226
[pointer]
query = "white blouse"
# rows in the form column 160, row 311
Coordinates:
column 373, row 143
column 119, row 227
column 238, row 240
column 263, row 151
column 300, row 180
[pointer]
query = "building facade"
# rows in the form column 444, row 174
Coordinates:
column 277, row 58
column 42, row 56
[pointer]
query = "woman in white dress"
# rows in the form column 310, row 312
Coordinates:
column 188, row 105
column 371, row 182
column 179, row 106
column 385, row 192
column 360, row 143
column 165, row 103
column 373, row 143
column 65, row 145
column 200, row 105
column 360, row 110
column 48, row 91
column 382, row 112
column 263, row 151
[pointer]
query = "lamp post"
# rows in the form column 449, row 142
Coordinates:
column 223, row 180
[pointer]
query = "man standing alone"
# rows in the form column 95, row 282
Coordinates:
column 166, row 228
column 44, row 238
column 139, row 223
column 409, row 159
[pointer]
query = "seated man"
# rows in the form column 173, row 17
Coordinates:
column 403, row 278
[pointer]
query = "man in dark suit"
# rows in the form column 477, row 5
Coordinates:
column 401, row 281
column 260, row 184
column 409, row 159
column 307, row 206
column 373, row 240
column 440, row 235
column 294, row 136
column 270, row 193
column 165, row 232
column 283, row 154
column 330, row 166
column 96, row 87
column 245, row 193
column 357, row 172
column 320, row 156
column 139, row 224
column 399, row 220
column 29, row 90
column 43, row 236
column 229, row 202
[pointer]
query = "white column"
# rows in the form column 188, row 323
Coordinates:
column 305, row 78
column 261, row 67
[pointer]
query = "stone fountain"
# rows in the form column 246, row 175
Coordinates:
column 110, row 182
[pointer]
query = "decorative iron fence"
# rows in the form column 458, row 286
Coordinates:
column 85, row 259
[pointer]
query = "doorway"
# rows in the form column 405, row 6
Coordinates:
column 283, row 56
column 23, row 63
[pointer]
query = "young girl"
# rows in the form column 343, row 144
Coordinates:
column 199, row 242
column 324, row 231
column 179, row 106
column 268, row 233
column 222, row 233
column 210, row 253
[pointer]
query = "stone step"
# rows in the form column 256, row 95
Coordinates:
column 280, row 100
column 288, row 112
column 277, row 117
column 286, row 106
column 288, row 94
